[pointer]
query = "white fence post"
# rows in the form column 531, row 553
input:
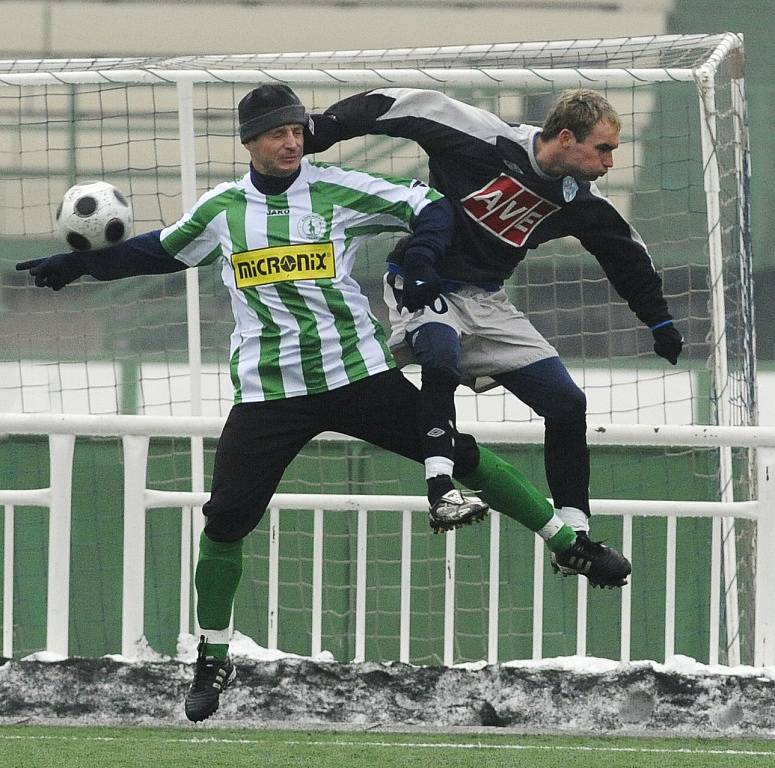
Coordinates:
column 538, row 597
column 764, row 650
column 450, row 569
column 493, row 607
column 133, row 591
column 61, row 450
column 272, row 603
column 406, row 586
column 360, row 585
column 317, row 582
column 8, row 556
column 192, row 521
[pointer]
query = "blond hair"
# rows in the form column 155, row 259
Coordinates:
column 579, row 111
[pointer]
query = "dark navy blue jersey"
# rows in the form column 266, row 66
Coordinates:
column 505, row 205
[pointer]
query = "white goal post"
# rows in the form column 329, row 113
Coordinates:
column 163, row 130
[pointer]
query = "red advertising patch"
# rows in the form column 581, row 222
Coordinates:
column 508, row 209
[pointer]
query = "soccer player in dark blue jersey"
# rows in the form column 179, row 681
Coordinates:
column 512, row 187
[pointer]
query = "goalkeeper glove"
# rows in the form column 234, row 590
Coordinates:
column 55, row 271
column 668, row 342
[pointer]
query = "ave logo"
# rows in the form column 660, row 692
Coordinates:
column 508, row 209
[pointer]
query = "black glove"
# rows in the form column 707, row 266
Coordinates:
column 668, row 342
column 422, row 286
column 55, row 271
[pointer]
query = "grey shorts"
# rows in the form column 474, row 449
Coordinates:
column 495, row 337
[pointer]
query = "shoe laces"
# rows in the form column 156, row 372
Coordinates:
column 456, row 496
column 209, row 671
column 586, row 548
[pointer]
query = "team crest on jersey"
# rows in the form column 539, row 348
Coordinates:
column 312, row 226
column 283, row 263
column 569, row 188
column 508, row 209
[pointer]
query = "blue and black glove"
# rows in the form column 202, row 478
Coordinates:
column 668, row 342
column 422, row 284
column 55, row 271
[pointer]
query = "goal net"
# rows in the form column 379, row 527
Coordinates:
column 164, row 131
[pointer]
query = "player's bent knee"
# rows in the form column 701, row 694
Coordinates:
column 466, row 454
column 226, row 528
column 570, row 405
column 436, row 345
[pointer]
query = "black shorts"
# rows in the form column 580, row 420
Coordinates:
column 259, row 441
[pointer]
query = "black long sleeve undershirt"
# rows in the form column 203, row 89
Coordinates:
column 139, row 255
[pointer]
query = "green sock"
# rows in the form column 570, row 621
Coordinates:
column 506, row 489
column 218, row 574
column 217, row 650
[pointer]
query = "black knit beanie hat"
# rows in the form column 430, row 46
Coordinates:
column 266, row 107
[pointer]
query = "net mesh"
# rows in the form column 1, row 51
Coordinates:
column 122, row 347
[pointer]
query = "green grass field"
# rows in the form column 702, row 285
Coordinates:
column 86, row 747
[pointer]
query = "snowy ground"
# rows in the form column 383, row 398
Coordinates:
column 571, row 694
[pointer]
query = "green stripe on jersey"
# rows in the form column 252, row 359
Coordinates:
column 352, row 359
column 328, row 195
column 267, row 365
column 184, row 235
column 310, row 346
column 235, row 220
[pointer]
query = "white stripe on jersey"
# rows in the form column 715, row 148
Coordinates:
column 439, row 108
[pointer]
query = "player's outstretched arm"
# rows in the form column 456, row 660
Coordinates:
column 437, row 122
column 140, row 255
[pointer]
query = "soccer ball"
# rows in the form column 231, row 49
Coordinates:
column 93, row 214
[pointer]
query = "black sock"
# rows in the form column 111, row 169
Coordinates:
column 438, row 486
column 436, row 413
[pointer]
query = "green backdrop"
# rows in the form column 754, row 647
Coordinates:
column 96, row 558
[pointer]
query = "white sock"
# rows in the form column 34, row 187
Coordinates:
column 217, row 636
column 575, row 518
column 438, row 465
column 551, row 528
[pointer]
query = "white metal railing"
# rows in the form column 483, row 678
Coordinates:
column 136, row 432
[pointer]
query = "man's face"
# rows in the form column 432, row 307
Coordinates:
column 277, row 152
column 589, row 159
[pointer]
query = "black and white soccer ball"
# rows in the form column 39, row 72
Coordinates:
column 94, row 214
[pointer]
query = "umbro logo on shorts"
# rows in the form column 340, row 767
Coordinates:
column 508, row 209
column 435, row 432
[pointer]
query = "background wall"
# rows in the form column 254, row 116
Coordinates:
column 52, row 28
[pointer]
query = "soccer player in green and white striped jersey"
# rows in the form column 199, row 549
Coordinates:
column 302, row 324
column 307, row 355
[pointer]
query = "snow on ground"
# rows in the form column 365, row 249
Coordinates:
column 568, row 694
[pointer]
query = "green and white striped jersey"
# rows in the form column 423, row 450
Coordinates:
column 302, row 324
